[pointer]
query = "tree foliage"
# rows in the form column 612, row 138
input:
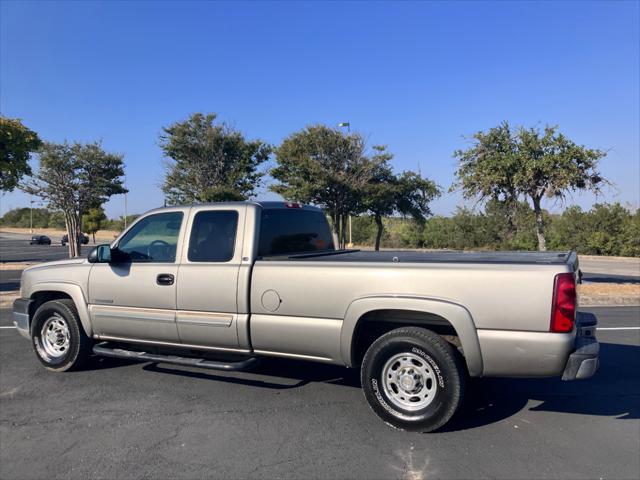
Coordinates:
column 17, row 143
column 528, row 163
column 42, row 218
column 386, row 194
column 209, row 161
column 325, row 167
column 605, row 229
column 74, row 178
column 93, row 220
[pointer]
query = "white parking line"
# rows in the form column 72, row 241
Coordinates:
column 10, row 326
column 618, row 328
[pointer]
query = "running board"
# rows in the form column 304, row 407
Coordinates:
column 103, row 351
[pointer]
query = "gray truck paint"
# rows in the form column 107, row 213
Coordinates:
column 310, row 309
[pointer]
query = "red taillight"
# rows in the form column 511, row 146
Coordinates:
column 563, row 310
column 292, row 205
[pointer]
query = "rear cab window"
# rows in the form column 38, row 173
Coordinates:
column 287, row 231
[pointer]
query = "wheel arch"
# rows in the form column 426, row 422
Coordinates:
column 443, row 317
column 44, row 292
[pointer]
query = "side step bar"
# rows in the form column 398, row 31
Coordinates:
column 104, row 351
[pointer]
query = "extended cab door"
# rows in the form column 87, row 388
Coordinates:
column 134, row 297
column 207, row 303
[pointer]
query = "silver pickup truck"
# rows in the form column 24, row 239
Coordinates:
column 220, row 285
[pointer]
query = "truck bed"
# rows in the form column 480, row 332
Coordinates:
column 517, row 258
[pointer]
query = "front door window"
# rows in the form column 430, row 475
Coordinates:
column 152, row 239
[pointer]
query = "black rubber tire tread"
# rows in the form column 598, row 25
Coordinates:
column 449, row 361
column 80, row 344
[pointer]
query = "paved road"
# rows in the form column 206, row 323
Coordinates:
column 15, row 248
column 301, row 420
column 626, row 267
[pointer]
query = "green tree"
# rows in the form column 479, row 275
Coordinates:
column 505, row 165
column 438, row 232
column 93, row 220
column 569, row 230
column 408, row 194
column 17, row 143
column 118, row 224
column 56, row 219
column 508, row 225
column 210, row 162
column 606, row 224
column 380, row 193
column 631, row 236
column 325, row 167
column 73, row 179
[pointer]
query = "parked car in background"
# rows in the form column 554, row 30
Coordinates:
column 84, row 239
column 40, row 240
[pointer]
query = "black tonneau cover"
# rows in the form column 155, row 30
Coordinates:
column 545, row 258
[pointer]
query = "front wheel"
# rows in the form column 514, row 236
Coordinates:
column 58, row 337
column 413, row 379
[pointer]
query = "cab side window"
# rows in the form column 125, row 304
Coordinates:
column 152, row 239
column 213, row 236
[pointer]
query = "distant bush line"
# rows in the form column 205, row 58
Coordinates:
column 605, row 229
column 44, row 218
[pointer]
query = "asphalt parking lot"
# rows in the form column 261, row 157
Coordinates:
column 15, row 248
column 302, row 420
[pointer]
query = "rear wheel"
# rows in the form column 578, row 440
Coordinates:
column 58, row 337
column 413, row 379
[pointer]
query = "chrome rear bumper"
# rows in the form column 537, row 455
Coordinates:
column 584, row 361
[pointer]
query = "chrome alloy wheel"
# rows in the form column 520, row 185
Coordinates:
column 409, row 381
column 54, row 336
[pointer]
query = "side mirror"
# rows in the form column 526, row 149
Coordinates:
column 100, row 254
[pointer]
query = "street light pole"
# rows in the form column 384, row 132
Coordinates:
column 125, row 201
column 31, row 214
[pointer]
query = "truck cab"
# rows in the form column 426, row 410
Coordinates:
column 181, row 275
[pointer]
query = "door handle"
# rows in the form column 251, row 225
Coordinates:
column 165, row 279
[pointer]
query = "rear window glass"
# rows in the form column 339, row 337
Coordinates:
column 213, row 236
column 289, row 231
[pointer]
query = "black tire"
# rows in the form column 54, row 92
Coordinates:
column 70, row 354
column 442, row 368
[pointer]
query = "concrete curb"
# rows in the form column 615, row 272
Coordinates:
column 609, row 302
column 7, row 298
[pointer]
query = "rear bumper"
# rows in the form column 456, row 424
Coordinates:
column 21, row 316
column 584, row 361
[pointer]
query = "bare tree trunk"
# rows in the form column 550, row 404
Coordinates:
column 72, row 235
column 380, row 226
column 67, row 223
column 542, row 243
column 512, row 230
column 335, row 220
column 345, row 219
